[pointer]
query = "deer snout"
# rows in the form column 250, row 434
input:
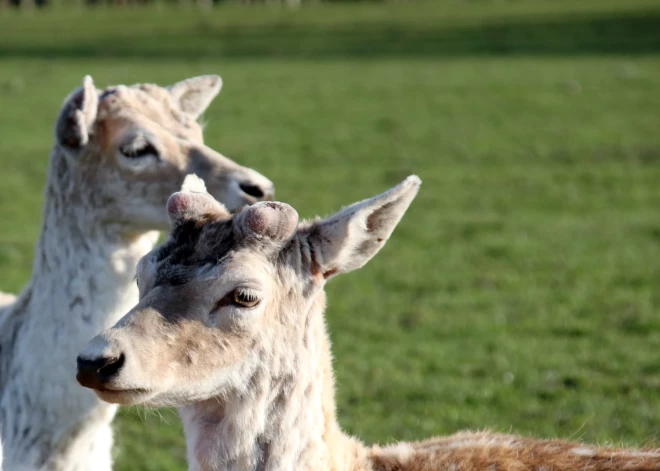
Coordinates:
column 100, row 362
column 230, row 183
column 255, row 185
column 242, row 187
column 96, row 373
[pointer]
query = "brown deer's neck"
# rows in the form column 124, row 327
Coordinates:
column 285, row 421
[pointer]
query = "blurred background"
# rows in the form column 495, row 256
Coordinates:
column 520, row 293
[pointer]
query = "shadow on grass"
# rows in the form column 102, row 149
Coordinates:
column 634, row 33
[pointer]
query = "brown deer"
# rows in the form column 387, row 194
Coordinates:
column 230, row 329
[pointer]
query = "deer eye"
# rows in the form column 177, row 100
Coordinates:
column 244, row 298
column 138, row 148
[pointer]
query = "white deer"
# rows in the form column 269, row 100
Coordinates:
column 230, row 329
column 118, row 155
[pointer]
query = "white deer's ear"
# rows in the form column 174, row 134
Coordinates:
column 73, row 126
column 350, row 238
column 195, row 94
column 193, row 202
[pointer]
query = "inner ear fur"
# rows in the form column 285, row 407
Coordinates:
column 194, row 95
column 349, row 239
column 77, row 116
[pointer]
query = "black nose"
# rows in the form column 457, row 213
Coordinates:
column 252, row 190
column 96, row 373
column 257, row 191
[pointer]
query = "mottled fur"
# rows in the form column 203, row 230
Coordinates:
column 118, row 155
column 254, row 383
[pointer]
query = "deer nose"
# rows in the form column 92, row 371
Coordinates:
column 255, row 185
column 260, row 192
column 95, row 373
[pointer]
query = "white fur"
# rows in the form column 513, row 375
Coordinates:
column 583, row 451
column 192, row 183
column 347, row 230
column 194, row 95
column 90, row 289
column 97, row 223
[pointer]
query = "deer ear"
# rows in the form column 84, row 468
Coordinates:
column 194, row 95
column 193, row 201
column 72, row 128
column 350, row 238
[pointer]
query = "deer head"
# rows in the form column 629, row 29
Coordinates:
column 126, row 149
column 226, row 295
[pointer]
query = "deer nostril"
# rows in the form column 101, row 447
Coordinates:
column 95, row 373
column 112, row 366
column 252, row 190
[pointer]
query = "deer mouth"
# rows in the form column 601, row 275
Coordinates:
column 123, row 396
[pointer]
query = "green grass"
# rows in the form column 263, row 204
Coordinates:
column 520, row 292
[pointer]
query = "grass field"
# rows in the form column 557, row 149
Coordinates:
column 520, row 293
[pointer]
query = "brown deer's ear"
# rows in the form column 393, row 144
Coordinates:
column 193, row 201
column 350, row 238
column 271, row 219
column 77, row 116
column 194, row 95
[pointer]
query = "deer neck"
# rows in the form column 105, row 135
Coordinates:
column 82, row 283
column 285, row 421
column 80, row 260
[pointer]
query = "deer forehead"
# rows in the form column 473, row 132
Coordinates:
column 199, row 251
column 148, row 102
column 242, row 268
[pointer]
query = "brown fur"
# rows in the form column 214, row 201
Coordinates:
column 486, row 451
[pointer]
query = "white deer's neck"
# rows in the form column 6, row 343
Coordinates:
column 82, row 283
column 285, row 420
column 81, row 263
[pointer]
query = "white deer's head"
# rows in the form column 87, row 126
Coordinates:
column 126, row 149
column 227, row 295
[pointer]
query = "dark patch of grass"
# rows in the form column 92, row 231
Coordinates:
column 193, row 37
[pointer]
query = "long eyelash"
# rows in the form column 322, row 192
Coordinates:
column 249, row 294
column 230, row 298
